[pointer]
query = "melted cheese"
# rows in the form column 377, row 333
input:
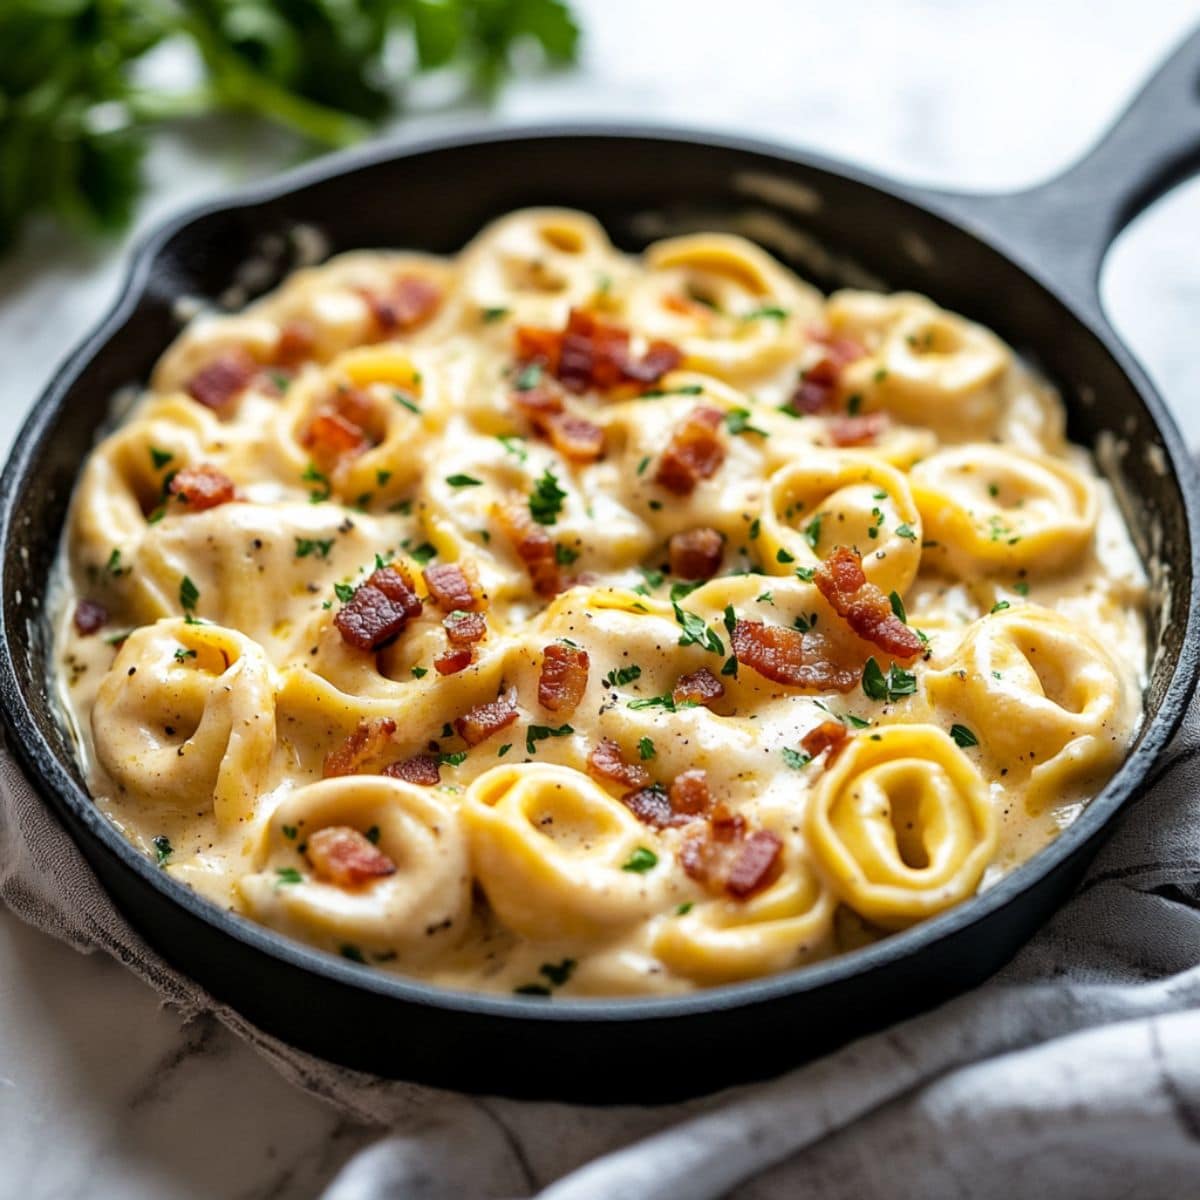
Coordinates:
column 206, row 707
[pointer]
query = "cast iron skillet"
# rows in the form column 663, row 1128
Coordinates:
column 1024, row 264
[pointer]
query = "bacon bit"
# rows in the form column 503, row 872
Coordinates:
column 217, row 385
column 694, row 452
column 453, row 660
column 379, row 609
column 698, row 687
column 689, row 793
column 479, row 723
column 607, row 762
column 367, row 741
column 817, row 391
column 331, row 437
column 829, row 735
column 533, row 546
column 89, row 616
column 411, row 302
column 863, row 606
column 297, row 340
column 574, row 437
column 202, row 487
column 345, row 857
column 696, row 553
column 453, row 587
column 564, row 677
column 841, row 349
column 781, row 654
column 726, row 859
column 422, row 769
column 464, row 628
column 591, row 353
column 756, row 865
column 858, row 431
column 651, row 806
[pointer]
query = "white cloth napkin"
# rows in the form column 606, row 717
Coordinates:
column 1075, row 1072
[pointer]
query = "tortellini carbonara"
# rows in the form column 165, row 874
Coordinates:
column 557, row 622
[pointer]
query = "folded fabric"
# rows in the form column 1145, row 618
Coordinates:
column 1075, row 1072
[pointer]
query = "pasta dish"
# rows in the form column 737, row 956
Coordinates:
column 552, row 621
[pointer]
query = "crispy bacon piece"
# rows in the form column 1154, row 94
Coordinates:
column 453, row 587
column 755, row 865
column 217, row 385
column 698, row 687
column 863, row 606
column 818, row 387
column 297, row 340
column 379, row 609
column 345, row 857
column 89, row 616
column 339, row 427
column 202, row 487
column 564, row 677
column 574, row 437
column 694, row 452
column 368, row 741
column 411, row 302
column 479, row 723
column 422, row 769
column 696, row 553
column 651, row 806
column 592, row 353
column 726, row 858
column 453, row 659
column 533, row 546
column 607, row 762
column 858, row 431
column 689, row 793
column 840, row 348
column 829, row 735
column 464, row 628
column 785, row 656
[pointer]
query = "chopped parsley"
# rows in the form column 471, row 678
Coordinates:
column 646, row 749
column 685, row 908
column 795, row 759
column 512, row 442
column 564, row 555
column 289, row 831
column 406, row 402
column 812, row 531
column 344, row 592
column 906, row 531
column 772, row 311
column 737, row 420
column 696, row 631
column 1021, row 588
column 896, row 683
column 288, row 875
column 182, row 654
column 160, row 458
column 453, row 760
column 641, row 467
column 419, row 672
column 529, row 377
column 963, row 736
column 189, row 594
column 162, row 849
column 666, row 700
column 318, row 546
column 898, row 607
column 423, row 553
column 640, row 861
column 546, row 499
column 539, row 733
column 620, row 676
column 323, row 488
column 463, row 481
column 494, row 314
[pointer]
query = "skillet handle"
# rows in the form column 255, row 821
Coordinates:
column 1062, row 229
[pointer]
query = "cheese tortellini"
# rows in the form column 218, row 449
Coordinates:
column 552, row 621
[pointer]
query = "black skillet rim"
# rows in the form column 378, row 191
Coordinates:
column 47, row 774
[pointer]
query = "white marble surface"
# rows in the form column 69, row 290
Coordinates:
column 104, row 1094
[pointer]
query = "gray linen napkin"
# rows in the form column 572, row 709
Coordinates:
column 1075, row 1072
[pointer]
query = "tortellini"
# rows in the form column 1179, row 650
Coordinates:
column 417, row 911
column 1043, row 697
column 990, row 508
column 553, row 621
column 185, row 719
column 902, row 825
column 551, row 851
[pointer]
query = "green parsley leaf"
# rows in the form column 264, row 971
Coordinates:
column 189, row 594
column 645, row 749
column 419, row 672
column 318, row 546
column 812, row 531
column 288, row 875
column 289, row 831
column 898, row 607
column 162, row 849
column 906, row 531
column 999, row 606
column 737, row 420
column 423, row 553
column 463, row 481
column 773, row 311
column 160, row 458
column 546, row 499
column 539, row 733
column 494, row 314
column 406, row 401
column 794, row 758
column 529, row 377
column 640, row 861
column 963, row 736
column 453, row 760
column 514, row 444
column 182, row 655
column 564, row 555
column 697, row 632
column 620, row 676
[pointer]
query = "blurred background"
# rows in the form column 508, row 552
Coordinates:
column 114, row 113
